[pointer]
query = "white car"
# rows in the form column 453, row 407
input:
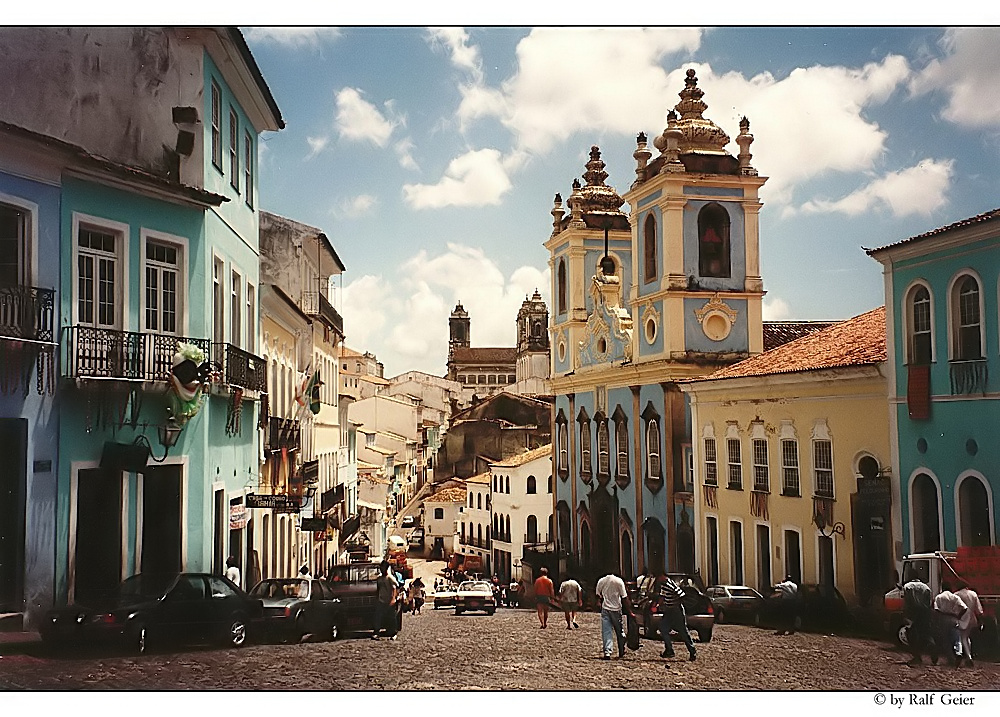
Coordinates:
column 475, row 595
column 444, row 596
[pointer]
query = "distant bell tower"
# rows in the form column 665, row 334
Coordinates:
column 532, row 339
column 458, row 329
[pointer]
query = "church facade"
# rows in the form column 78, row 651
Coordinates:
column 642, row 299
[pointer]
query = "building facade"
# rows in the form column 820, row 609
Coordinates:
column 791, row 462
column 522, row 516
column 941, row 292
column 669, row 291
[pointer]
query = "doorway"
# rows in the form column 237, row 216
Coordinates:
column 793, row 556
column 13, row 487
column 98, row 557
column 161, row 519
column 764, row 559
column 826, row 561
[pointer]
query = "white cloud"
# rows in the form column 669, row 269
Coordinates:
column 775, row 309
column 918, row 190
column 456, row 41
column 967, row 74
column 476, row 178
column 356, row 206
column 480, row 101
column 292, row 37
column 316, row 145
column 359, row 120
column 403, row 318
column 404, row 153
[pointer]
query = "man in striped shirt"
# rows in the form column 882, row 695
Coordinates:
column 673, row 617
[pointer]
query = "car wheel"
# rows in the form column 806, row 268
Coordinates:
column 490, row 612
column 334, row 631
column 720, row 616
column 458, row 611
column 138, row 640
column 705, row 635
column 236, row 635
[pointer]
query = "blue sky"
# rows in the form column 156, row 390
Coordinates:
column 431, row 157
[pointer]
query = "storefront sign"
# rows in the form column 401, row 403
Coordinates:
column 280, row 503
column 237, row 516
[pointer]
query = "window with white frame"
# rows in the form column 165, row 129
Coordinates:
column 248, row 168
column 967, row 332
column 236, row 307
column 761, row 475
column 603, row 448
column 585, row 447
column 234, row 149
column 216, row 126
column 163, row 287
column 218, row 301
column 621, row 445
column 790, row 467
column 823, row 467
column 920, row 343
column 14, row 246
column 563, row 447
column 653, row 448
column 711, row 463
column 99, row 279
column 251, row 344
column 735, row 456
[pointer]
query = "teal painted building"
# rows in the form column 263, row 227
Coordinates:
column 941, row 290
column 643, row 299
column 160, row 386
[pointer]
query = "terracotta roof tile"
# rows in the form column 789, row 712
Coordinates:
column 979, row 218
column 777, row 333
column 855, row 342
column 480, row 478
column 484, row 355
column 526, row 457
column 448, row 495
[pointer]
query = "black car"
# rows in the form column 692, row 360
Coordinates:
column 697, row 607
column 821, row 608
column 294, row 608
column 156, row 609
column 354, row 585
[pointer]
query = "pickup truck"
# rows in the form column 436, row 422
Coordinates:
column 978, row 566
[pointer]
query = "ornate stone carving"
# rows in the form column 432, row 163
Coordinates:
column 697, row 133
column 716, row 318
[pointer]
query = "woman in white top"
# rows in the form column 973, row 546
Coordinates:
column 969, row 621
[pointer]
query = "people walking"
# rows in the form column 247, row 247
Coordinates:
column 969, row 623
column 789, row 604
column 386, row 595
column 233, row 571
column 544, row 594
column 917, row 608
column 570, row 595
column 673, row 617
column 614, row 598
column 417, row 595
column 949, row 610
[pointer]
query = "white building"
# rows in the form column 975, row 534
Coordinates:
column 441, row 513
column 521, row 505
column 474, row 532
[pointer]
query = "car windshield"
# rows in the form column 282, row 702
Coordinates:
column 144, row 587
column 743, row 592
column 281, row 589
column 475, row 587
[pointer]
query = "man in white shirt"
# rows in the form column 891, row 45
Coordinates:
column 949, row 610
column 569, row 596
column 611, row 590
column 233, row 571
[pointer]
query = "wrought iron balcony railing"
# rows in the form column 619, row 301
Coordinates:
column 241, row 368
column 969, row 376
column 282, row 433
column 91, row 352
column 26, row 313
column 315, row 303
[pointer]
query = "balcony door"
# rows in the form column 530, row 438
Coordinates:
column 162, row 301
column 100, row 347
column 13, row 246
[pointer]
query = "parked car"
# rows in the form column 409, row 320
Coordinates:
column 821, row 609
column 444, row 596
column 151, row 609
column 698, row 608
column 295, row 608
column 355, row 586
column 407, row 522
column 416, row 538
column 735, row 603
column 475, row 595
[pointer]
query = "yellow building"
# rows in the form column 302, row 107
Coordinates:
column 790, row 452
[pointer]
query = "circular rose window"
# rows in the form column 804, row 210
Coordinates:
column 716, row 326
column 650, row 328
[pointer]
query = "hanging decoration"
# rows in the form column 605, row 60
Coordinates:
column 264, row 413
column 234, row 413
column 190, row 375
column 307, row 394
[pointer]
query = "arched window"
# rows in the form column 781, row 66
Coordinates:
column 621, row 448
column 713, row 241
column 967, row 331
column 562, row 444
column 603, row 448
column 585, row 544
column 585, row 464
column 561, row 287
column 507, row 491
column 550, row 484
column 470, row 500
column 531, row 485
column 920, row 343
column 974, row 513
column 649, row 248
column 479, row 535
column 925, row 513
column 653, row 449
column 479, row 501
column 507, row 528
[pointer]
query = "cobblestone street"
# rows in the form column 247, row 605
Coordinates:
column 440, row 651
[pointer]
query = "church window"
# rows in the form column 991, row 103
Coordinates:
column 649, row 248
column 920, row 339
column 713, row 241
column 603, row 448
column 561, row 287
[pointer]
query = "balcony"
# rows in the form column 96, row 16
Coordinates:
column 91, row 352
column 282, row 433
column 315, row 303
column 968, row 376
column 240, row 368
column 26, row 313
